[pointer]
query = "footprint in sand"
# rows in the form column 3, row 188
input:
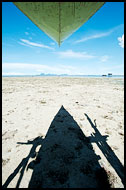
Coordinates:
column 10, row 134
column 26, row 126
column 4, row 162
column 121, row 133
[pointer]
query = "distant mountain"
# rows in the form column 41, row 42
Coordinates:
column 63, row 75
column 49, row 74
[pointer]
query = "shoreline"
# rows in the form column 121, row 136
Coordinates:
column 69, row 76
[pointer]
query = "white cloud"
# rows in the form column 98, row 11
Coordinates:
column 25, row 68
column 27, row 42
column 30, row 38
column 72, row 54
column 99, row 35
column 26, row 33
column 104, row 58
column 52, row 43
column 33, row 69
column 115, row 69
column 121, row 41
column 12, row 73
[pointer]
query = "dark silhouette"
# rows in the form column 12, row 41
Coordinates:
column 66, row 158
column 106, row 150
column 37, row 141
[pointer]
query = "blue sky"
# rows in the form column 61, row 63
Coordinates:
column 97, row 47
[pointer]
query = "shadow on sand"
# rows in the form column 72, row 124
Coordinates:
column 106, row 150
column 66, row 158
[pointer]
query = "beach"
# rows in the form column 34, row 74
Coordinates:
column 29, row 105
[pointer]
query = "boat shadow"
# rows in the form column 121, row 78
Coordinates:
column 66, row 158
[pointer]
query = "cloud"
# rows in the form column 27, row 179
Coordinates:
column 25, row 44
column 12, row 73
column 26, row 68
column 33, row 69
column 52, row 43
column 26, row 33
column 121, row 41
column 104, row 58
column 34, row 44
column 99, row 35
column 116, row 69
column 30, row 38
column 72, row 54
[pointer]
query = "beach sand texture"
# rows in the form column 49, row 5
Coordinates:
column 62, row 132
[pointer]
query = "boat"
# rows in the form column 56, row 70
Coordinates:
column 104, row 75
column 59, row 19
column 109, row 74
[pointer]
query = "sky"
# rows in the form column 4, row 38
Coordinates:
column 96, row 48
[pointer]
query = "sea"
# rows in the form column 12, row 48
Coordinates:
column 86, row 76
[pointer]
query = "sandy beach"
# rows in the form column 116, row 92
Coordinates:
column 94, row 106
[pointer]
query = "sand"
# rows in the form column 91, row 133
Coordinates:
column 94, row 106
